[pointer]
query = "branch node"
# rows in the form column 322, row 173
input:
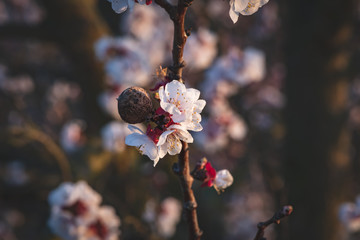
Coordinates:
column 190, row 205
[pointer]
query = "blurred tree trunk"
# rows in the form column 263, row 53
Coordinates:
column 75, row 25
column 318, row 36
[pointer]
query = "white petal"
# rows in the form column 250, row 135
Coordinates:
column 174, row 146
column 135, row 139
column 163, row 137
column 200, row 104
column 193, row 94
column 223, row 179
column 240, row 5
column 233, row 15
column 162, row 150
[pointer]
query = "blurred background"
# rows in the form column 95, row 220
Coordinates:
column 283, row 115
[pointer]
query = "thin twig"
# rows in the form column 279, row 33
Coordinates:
column 284, row 212
column 182, row 168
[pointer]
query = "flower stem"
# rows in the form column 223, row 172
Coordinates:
column 182, row 168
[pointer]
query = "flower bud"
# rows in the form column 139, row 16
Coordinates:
column 134, row 105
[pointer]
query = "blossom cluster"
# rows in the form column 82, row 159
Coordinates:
column 230, row 72
column 163, row 218
column 179, row 112
column 76, row 214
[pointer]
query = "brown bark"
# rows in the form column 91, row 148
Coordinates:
column 182, row 168
column 318, row 36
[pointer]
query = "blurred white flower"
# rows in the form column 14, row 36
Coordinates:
column 223, row 179
column 113, row 136
column 104, row 227
column 183, row 104
column 170, row 214
column 16, row 85
column 244, row 7
column 76, row 214
column 108, row 103
column 200, row 49
column 72, row 135
column 15, row 173
column 124, row 60
column 72, row 206
column 163, row 218
column 349, row 215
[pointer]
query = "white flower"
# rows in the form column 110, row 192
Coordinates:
column 113, row 136
column 170, row 140
column 200, row 49
column 72, row 135
column 244, row 7
column 143, row 142
column 104, row 227
column 73, row 206
column 183, row 104
column 223, row 179
column 169, row 216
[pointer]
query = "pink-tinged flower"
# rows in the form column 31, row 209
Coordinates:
column 145, row 144
column 183, row 104
column 105, row 226
column 73, row 206
column 223, row 179
column 72, row 135
column 244, row 7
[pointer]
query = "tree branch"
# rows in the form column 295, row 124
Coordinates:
column 182, row 168
column 284, row 212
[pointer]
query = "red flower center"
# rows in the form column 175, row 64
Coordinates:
column 99, row 229
column 76, row 209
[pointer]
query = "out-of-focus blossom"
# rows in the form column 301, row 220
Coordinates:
column 150, row 26
column 15, row 173
column 16, row 85
column 170, row 214
column 105, row 226
column 163, row 218
column 120, row 6
column 76, row 214
column 223, row 179
column 213, row 137
column 113, row 136
column 200, row 49
column 239, row 67
column 183, row 104
column 124, row 61
column 62, row 91
column 244, row 7
column 107, row 101
column 72, row 135
column 349, row 215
